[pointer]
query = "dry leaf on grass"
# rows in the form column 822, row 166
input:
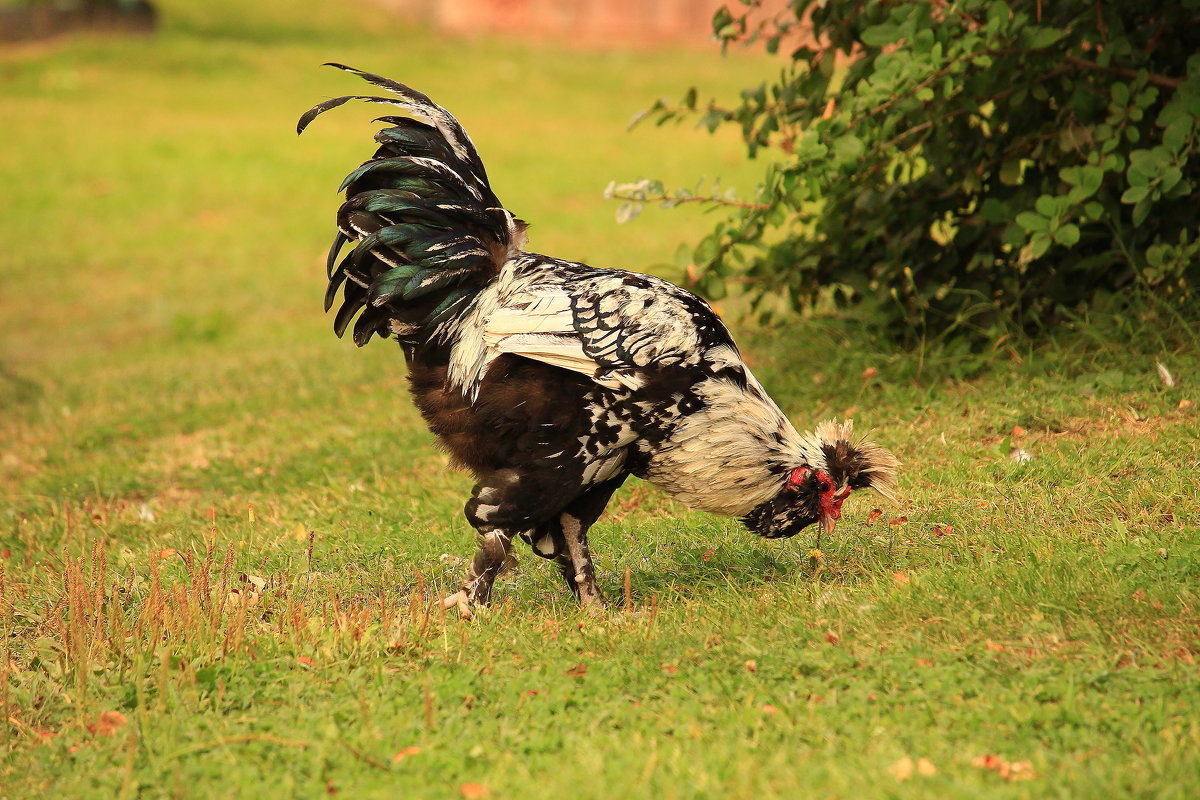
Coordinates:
column 905, row 767
column 108, row 724
column 473, row 791
column 1008, row 770
column 411, row 750
column 577, row 671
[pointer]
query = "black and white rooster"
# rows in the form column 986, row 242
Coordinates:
column 553, row 381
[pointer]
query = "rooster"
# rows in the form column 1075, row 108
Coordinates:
column 553, row 381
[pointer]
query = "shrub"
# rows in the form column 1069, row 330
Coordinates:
column 972, row 167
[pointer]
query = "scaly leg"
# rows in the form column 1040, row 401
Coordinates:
column 481, row 575
column 577, row 567
column 573, row 556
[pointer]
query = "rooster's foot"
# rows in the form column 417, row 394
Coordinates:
column 461, row 600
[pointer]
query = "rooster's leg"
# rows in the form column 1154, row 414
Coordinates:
column 574, row 558
column 477, row 588
column 577, row 565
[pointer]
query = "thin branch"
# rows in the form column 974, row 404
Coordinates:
column 1164, row 81
column 666, row 198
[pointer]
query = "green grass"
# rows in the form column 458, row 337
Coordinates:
column 176, row 415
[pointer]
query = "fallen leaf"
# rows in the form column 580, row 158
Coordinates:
column 473, row 791
column 925, row 767
column 769, row 709
column 993, row 646
column 577, row 671
column 1018, row 430
column 924, row 662
column 306, row 661
column 832, row 637
column 411, row 750
column 751, row 665
column 708, row 554
column 1185, row 404
column 108, row 724
column 165, row 553
column 898, row 520
column 670, row 669
column 942, row 530
column 6, row 553
column 255, row 583
column 1008, row 770
column 902, row 770
column 869, row 372
column 1139, row 595
column 900, row 578
column 875, row 514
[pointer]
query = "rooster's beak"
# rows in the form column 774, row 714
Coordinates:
column 827, row 525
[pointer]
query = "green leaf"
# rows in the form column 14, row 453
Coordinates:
column 879, row 35
column 1038, row 38
column 1039, row 244
column 1067, row 235
column 1176, row 135
column 848, row 148
column 994, row 211
column 1046, row 206
column 1084, row 180
column 1010, row 172
column 1032, row 222
column 1120, row 94
column 1141, row 210
column 1135, row 193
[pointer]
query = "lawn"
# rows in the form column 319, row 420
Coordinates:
column 222, row 530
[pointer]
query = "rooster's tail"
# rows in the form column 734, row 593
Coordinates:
column 428, row 232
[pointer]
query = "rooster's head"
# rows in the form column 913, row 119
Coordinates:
column 834, row 466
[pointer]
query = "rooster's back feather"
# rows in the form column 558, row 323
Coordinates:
column 426, row 228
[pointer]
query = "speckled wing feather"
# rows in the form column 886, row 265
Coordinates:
column 609, row 326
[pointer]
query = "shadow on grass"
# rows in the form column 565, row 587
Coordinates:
column 696, row 569
column 16, row 388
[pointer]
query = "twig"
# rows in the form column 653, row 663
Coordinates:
column 1164, row 81
column 664, row 198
